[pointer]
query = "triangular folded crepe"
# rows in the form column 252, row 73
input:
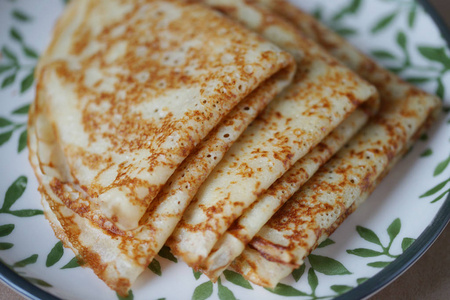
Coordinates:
column 346, row 180
column 118, row 256
column 322, row 95
column 131, row 90
column 232, row 243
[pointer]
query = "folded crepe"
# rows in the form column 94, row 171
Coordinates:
column 323, row 94
column 131, row 91
column 116, row 255
column 335, row 191
column 234, row 240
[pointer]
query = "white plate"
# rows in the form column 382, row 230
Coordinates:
column 399, row 34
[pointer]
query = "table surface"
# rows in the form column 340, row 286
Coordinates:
column 428, row 278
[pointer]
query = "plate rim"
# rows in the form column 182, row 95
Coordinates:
column 363, row 291
column 426, row 239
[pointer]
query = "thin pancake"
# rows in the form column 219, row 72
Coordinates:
column 130, row 93
column 322, row 95
column 233, row 242
column 118, row 257
column 347, row 180
column 115, row 255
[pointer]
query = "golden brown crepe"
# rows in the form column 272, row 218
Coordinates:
column 233, row 241
column 130, row 93
column 90, row 93
column 346, row 180
column 322, row 95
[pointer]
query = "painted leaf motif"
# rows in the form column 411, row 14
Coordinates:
column 129, row 297
column 350, row 9
column 379, row 264
column 29, row 52
column 6, row 229
column 412, row 16
column 313, row 281
column 237, row 279
column 440, row 90
column 406, row 242
column 8, row 80
column 434, row 189
column 27, row 82
column 325, row 243
column 417, row 80
column 27, row 261
column 441, row 166
column 4, row 68
column 38, row 281
column 203, row 291
column 361, row 280
column 440, row 196
column 9, row 54
column 383, row 22
column 327, row 265
column 14, row 192
column 383, row 54
column 317, row 13
column 197, row 274
column 5, row 122
column 22, row 141
column 363, row 252
column 394, row 229
column 16, row 35
column 20, row 16
column 424, row 137
column 435, row 54
column 224, row 292
column 26, row 212
column 155, row 267
column 402, row 40
column 55, row 254
column 23, row 110
column 346, row 31
column 368, row 235
column 165, row 253
column 73, row 263
column 5, row 136
column 297, row 273
column 6, row 246
column 426, row 153
column 340, row 289
column 286, row 290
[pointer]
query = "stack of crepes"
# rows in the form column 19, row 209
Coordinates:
column 198, row 120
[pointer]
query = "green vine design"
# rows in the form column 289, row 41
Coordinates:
column 335, row 21
column 393, row 230
column 322, row 264
column 8, row 127
column 441, row 187
column 436, row 55
column 11, row 65
column 13, row 193
column 400, row 6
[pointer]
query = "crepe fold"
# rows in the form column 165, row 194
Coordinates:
column 337, row 189
column 129, row 98
column 323, row 94
column 130, row 91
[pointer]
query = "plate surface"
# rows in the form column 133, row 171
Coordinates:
column 375, row 244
